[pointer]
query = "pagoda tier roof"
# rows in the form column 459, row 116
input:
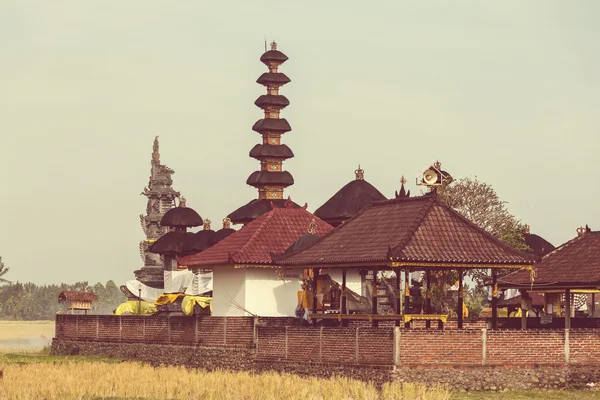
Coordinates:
column 574, row 263
column 171, row 243
column 272, row 100
column 281, row 178
column 183, row 217
column 348, row 201
column 201, row 240
column 277, row 78
column 279, row 125
column 410, row 232
column 273, row 56
column 271, row 150
column 255, row 244
column 255, row 209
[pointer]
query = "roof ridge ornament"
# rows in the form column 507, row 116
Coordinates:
column 403, row 192
column 182, row 202
column 312, row 227
column 526, row 229
column 206, row 224
column 226, row 223
column 273, row 45
column 289, row 203
column 360, row 174
column 155, row 153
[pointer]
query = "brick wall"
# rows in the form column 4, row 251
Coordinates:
column 452, row 347
column 527, row 347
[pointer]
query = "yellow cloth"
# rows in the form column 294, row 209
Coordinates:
column 187, row 305
column 167, row 298
column 135, row 307
column 465, row 311
column 305, row 298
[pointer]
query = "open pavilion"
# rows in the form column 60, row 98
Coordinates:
column 409, row 234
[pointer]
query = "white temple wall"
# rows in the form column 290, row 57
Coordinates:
column 228, row 283
column 269, row 296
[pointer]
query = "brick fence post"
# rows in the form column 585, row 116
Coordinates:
column 225, row 331
column 76, row 326
column 396, row 348
column 567, row 346
column 169, row 329
column 120, row 329
column 483, row 346
column 196, row 329
column 321, row 345
column 286, row 342
column 256, row 335
column 356, row 347
column 97, row 326
column 144, row 329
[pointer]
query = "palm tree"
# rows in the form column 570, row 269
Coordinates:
column 3, row 271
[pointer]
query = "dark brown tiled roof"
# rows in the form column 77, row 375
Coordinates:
column 273, row 55
column 69, row 295
column 575, row 262
column 418, row 229
column 254, row 209
column 348, row 201
column 270, row 150
column 273, row 77
column 536, row 300
column 271, row 125
column 538, row 245
column 278, row 101
column 256, row 242
column 171, row 243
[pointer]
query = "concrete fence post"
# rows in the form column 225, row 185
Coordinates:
column 169, row 329
column 196, row 329
column 97, row 327
column 286, row 342
column 396, row 349
column 255, row 331
column 76, row 326
column 321, row 344
column 144, row 329
column 567, row 346
column 224, row 331
column 356, row 347
column 120, row 329
column 483, row 346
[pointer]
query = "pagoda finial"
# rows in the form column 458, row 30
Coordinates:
column 312, row 227
column 437, row 165
column 360, row 174
column 182, row 201
column 526, row 229
column 155, row 153
column 580, row 231
column 206, row 224
column 273, row 45
column 227, row 223
column 403, row 180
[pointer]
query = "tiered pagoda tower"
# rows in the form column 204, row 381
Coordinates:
column 271, row 179
column 161, row 198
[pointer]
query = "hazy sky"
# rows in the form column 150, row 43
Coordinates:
column 505, row 90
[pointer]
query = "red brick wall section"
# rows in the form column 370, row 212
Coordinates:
column 339, row 345
column 240, row 332
column 211, row 331
column 271, row 343
column 376, row 346
column 452, row 347
column 303, row 344
column 528, row 347
column 585, row 346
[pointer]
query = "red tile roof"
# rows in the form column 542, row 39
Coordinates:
column 417, row 229
column 270, row 234
column 575, row 262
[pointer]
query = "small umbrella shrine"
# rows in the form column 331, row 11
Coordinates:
column 77, row 301
column 569, row 272
column 409, row 234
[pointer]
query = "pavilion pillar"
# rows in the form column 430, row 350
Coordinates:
column 568, row 309
column 398, row 295
column 343, row 299
column 523, row 311
column 459, row 311
column 406, row 296
column 314, row 295
column 428, row 297
column 494, row 299
column 374, row 298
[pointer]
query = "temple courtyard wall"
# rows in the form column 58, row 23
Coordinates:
column 475, row 358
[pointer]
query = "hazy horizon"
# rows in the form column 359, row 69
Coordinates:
column 505, row 91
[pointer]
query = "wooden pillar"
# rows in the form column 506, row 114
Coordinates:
column 459, row 311
column 494, row 300
column 374, row 298
column 343, row 299
column 593, row 304
column 406, row 296
column 398, row 294
column 568, row 309
column 428, row 297
column 314, row 295
column 523, row 312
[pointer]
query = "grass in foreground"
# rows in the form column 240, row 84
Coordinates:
column 76, row 379
column 529, row 395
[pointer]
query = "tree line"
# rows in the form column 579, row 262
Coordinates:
column 30, row 302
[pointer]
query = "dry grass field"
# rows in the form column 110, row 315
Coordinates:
column 25, row 335
column 83, row 379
